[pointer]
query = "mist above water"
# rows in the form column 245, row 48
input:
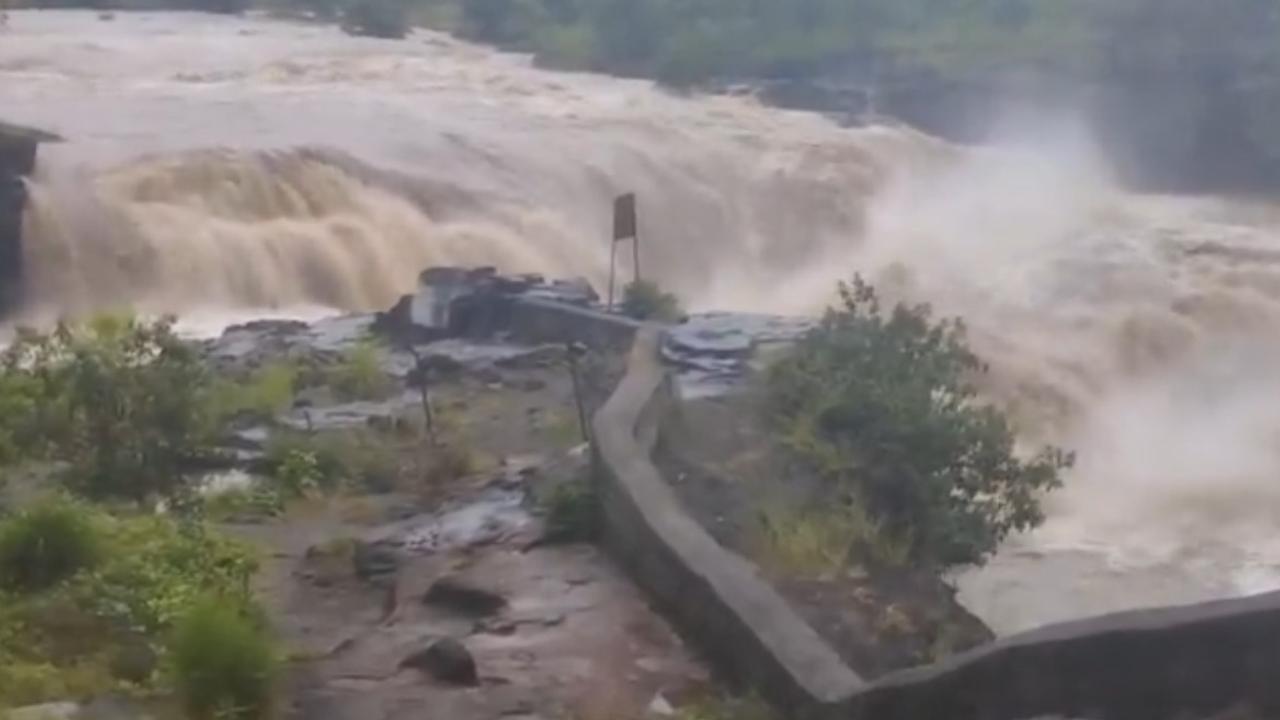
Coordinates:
column 224, row 167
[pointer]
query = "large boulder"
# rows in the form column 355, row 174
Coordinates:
column 375, row 561
column 456, row 594
column 447, row 660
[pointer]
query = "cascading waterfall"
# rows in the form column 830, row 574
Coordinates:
column 288, row 166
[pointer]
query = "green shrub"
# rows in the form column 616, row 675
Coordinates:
column 110, row 621
column 159, row 567
column 268, row 392
column 644, row 300
column 123, row 403
column 573, row 512
column 299, row 473
column 824, row 541
column 246, row 503
column 726, row 708
column 882, row 407
column 45, row 545
column 360, row 375
column 224, row 664
column 27, row 682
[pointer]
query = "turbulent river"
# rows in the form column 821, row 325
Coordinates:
column 223, row 168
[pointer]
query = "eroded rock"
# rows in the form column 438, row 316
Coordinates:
column 447, row 660
column 374, row 561
column 460, row 596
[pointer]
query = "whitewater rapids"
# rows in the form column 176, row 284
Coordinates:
column 227, row 167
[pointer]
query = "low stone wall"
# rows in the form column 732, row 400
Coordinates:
column 715, row 597
column 1185, row 662
column 1159, row 664
column 535, row 320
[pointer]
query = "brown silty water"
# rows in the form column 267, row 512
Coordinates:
column 241, row 165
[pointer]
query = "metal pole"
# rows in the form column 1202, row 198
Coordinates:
column 613, row 265
column 424, row 372
column 635, row 246
column 574, row 349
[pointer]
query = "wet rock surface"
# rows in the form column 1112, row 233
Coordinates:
column 364, row 587
column 471, row 302
column 716, row 353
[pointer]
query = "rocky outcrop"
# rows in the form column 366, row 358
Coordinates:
column 471, row 302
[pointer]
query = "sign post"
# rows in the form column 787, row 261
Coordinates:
column 625, row 227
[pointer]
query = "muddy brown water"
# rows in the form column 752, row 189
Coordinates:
column 220, row 166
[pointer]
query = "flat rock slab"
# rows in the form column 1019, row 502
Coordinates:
column 489, row 517
column 712, row 353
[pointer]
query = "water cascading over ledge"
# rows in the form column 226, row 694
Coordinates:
column 17, row 160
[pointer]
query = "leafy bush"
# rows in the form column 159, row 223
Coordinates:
column 123, row 403
column 299, row 473
column 883, row 408
column 573, row 512
column 159, row 567
column 244, row 504
column 269, row 391
column 360, row 375
column 45, row 545
column 224, row 664
column 824, row 541
column 324, row 461
column 644, row 300
column 108, row 622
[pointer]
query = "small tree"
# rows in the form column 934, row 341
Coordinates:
column 124, row 403
column 883, row 408
column 645, row 300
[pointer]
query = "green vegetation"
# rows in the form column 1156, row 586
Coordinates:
column 102, row 621
column 124, row 404
column 266, row 393
column 561, row 428
column 359, row 376
column 727, row 708
column 882, row 408
column 224, row 664
column 45, row 545
column 645, row 300
column 573, row 512
column 825, row 541
column 303, row 463
column 245, row 504
column 697, row 40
